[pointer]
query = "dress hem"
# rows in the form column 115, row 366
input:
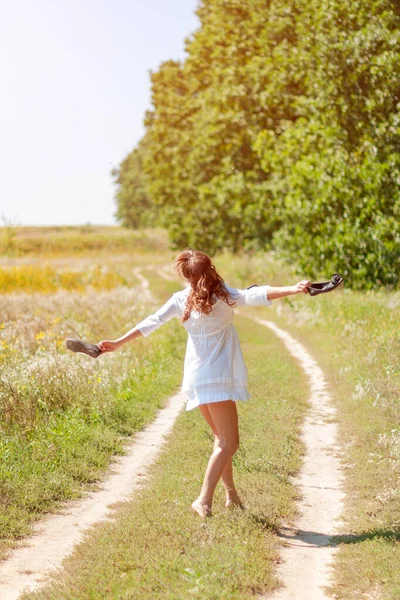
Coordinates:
column 220, row 397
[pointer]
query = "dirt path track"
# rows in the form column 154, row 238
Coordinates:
column 308, row 553
column 55, row 536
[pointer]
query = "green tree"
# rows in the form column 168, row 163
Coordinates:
column 280, row 129
column 134, row 206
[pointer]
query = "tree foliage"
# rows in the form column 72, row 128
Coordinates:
column 135, row 208
column 280, row 129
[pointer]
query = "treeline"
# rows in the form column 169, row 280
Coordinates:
column 280, row 130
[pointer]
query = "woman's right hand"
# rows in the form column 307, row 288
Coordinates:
column 108, row 345
column 301, row 287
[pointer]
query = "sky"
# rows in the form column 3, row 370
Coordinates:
column 74, row 88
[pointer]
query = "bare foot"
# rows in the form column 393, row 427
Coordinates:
column 234, row 503
column 201, row 509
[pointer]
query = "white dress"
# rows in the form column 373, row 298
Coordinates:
column 214, row 368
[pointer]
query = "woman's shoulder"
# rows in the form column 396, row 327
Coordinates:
column 232, row 291
column 182, row 295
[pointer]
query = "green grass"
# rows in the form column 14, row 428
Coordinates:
column 160, row 287
column 63, row 416
column 355, row 338
column 157, row 548
column 48, row 461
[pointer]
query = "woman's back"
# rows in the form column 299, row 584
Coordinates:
column 199, row 324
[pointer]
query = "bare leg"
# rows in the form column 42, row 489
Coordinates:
column 224, row 416
column 232, row 496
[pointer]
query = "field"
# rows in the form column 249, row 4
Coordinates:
column 63, row 416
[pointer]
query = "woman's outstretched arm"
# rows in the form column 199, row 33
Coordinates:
column 111, row 345
column 288, row 290
column 145, row 327
column 263, row 294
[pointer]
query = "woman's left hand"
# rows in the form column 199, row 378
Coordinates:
column 301, row 287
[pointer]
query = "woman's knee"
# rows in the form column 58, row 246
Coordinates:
column 229, row 445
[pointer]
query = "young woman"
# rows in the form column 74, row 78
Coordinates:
column 215, row 375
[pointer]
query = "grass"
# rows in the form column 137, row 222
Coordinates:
column 157, row 548
column 160, row 287
column 63, row 416
column 47, row 259
column 47, row 279
column 360, row 353
column 84, row 240
column 355, row 337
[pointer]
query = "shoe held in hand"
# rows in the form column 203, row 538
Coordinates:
column 76, row 345
column 325, row 286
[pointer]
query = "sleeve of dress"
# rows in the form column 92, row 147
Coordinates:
column 164, row 314
column 254, row 296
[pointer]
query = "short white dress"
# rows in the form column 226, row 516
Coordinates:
column 214, row 368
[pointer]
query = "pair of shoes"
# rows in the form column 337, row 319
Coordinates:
column 76, row 345
column 325, row 286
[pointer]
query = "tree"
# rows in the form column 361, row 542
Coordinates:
column 135, row 207
column 281, row 129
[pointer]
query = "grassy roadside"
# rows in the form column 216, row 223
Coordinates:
column 63, row 416
column 356, row 339
column 357, row 343
column 70, row 447
column 157, row 548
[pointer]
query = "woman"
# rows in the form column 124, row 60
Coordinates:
column 215, row 375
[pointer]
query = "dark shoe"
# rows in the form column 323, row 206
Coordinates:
column 79, row 346
column 325, row 286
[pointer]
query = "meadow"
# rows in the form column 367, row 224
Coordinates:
column 182, row 554
column 66, row 241
column 63, row 416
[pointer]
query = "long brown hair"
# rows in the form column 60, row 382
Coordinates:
column 205, row 282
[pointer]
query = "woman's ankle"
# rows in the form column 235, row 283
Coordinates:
column 231, row 494
column 236, row 503
column 202, row 508
column 205, row 501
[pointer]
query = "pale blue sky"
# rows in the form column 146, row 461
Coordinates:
column 75, row 84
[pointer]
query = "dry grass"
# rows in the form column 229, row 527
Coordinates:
column 45, row 279
column 70, row 241
column 48, row 259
